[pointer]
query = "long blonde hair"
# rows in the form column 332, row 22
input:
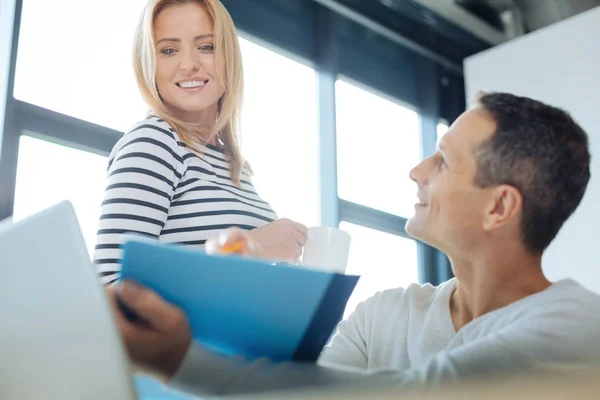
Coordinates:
column 227, row 51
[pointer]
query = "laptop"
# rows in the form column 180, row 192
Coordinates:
column 57, row 335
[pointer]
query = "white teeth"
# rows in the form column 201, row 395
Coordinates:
column 191, row 84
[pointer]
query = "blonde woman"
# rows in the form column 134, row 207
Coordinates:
column 179, row 176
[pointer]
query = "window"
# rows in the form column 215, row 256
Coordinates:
column 280, row 133
column 378, row 142
column 384, row 261
column 48, row 173
column 442, row 128
column 75, row 58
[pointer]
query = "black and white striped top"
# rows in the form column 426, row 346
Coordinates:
column 160, row 188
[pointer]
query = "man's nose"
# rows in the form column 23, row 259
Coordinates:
column 419, row 173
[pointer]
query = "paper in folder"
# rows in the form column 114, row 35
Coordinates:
column 243, row 306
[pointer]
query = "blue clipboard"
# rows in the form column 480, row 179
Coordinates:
column 243, row 306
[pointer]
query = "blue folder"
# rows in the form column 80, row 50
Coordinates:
column 243, row 306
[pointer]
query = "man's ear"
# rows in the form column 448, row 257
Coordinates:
column 505, row 203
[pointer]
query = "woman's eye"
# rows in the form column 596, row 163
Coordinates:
column 168, row 51
column 206, row 48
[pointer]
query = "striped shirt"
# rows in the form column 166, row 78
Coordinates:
column 160, row 188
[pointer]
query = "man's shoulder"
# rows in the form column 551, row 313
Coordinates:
column 415, row 295
column 572, row 288
column 565, row 308
column 574, row 299
column 561, row 321
column 565, row 294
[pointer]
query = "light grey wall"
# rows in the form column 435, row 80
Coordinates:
column 559, row 65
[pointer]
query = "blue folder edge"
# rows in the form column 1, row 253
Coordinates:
column 328, row 312
column 325, row 318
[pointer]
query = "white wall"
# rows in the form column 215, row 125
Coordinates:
column 559, row 65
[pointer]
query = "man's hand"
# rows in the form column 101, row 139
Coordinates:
column 281, row 240
column 159, row 340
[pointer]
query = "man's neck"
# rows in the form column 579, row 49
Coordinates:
column 492, row 281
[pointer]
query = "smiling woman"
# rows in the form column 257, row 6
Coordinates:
column 191, row 50
column 179, row 176
column 187, row 62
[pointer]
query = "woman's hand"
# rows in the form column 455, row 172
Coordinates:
column 232, row 241
column 158, row 339
column 281, row 240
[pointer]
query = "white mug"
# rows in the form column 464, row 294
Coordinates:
column 326, row 249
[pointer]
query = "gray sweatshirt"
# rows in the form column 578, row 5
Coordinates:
column 406, row 337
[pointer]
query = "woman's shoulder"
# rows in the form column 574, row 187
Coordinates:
column 154, row 127
column 148, row 135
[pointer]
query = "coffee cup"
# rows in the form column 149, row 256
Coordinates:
column 326, row 249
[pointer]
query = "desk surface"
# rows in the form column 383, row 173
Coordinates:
column 575, row 385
